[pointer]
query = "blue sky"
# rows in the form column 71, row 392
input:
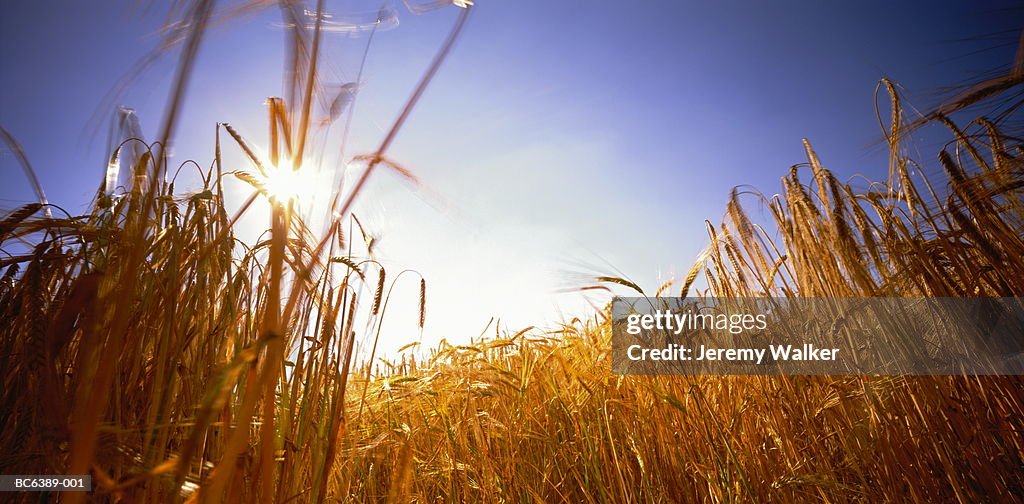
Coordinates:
column 561, row 136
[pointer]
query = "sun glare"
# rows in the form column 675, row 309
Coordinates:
column 285, row 183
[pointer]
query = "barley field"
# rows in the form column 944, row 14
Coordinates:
column 143, row 344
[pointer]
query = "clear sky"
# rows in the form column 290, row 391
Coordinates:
column 561, row 137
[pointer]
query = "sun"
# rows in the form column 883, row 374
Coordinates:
column 285, row 184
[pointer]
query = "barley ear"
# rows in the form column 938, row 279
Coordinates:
column 423, row 302
column 380, row 291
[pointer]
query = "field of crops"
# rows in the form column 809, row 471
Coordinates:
column 143, row 344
